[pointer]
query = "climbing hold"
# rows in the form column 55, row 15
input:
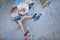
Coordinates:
column 30, row 5
column 1, row 38
column 27, row 38
column 13, row 20
column 44, row 3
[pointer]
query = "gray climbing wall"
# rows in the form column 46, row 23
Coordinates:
column 46, row 28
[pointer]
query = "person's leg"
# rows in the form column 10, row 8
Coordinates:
column 21, row 25
column 20, row 22
column 26, row 17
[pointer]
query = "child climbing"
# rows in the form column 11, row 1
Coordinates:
column 18, row 15
column 19, row 18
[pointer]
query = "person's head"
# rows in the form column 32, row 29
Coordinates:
column 14, row 9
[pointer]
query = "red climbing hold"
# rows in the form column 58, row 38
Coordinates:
column 27, row 38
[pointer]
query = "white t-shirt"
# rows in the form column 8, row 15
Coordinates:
column 23, row 5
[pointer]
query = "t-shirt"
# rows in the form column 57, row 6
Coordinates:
column 23, row 5
column 14, row 14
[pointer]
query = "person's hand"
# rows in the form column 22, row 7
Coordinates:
column 23, row 9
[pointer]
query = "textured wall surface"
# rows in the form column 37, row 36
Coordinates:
column 46, row 28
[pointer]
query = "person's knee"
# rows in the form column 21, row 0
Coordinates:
column 24, row 17
column 19, row 21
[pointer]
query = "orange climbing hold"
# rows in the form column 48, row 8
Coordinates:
column 0, row 38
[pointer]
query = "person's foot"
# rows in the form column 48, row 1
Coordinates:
column 37, row 17
column 27, row 33
column 34, row 16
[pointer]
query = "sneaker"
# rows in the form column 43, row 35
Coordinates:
column 34, row 15
column 37, row 17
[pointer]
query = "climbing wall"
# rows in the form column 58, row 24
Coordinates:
column 46, row 28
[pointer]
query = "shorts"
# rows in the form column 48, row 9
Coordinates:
column 17, row 18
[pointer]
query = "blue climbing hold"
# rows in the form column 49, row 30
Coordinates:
column 37, row 17
column 17, row 2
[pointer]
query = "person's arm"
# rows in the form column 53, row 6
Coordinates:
column 23, row 8
column 26, row 8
